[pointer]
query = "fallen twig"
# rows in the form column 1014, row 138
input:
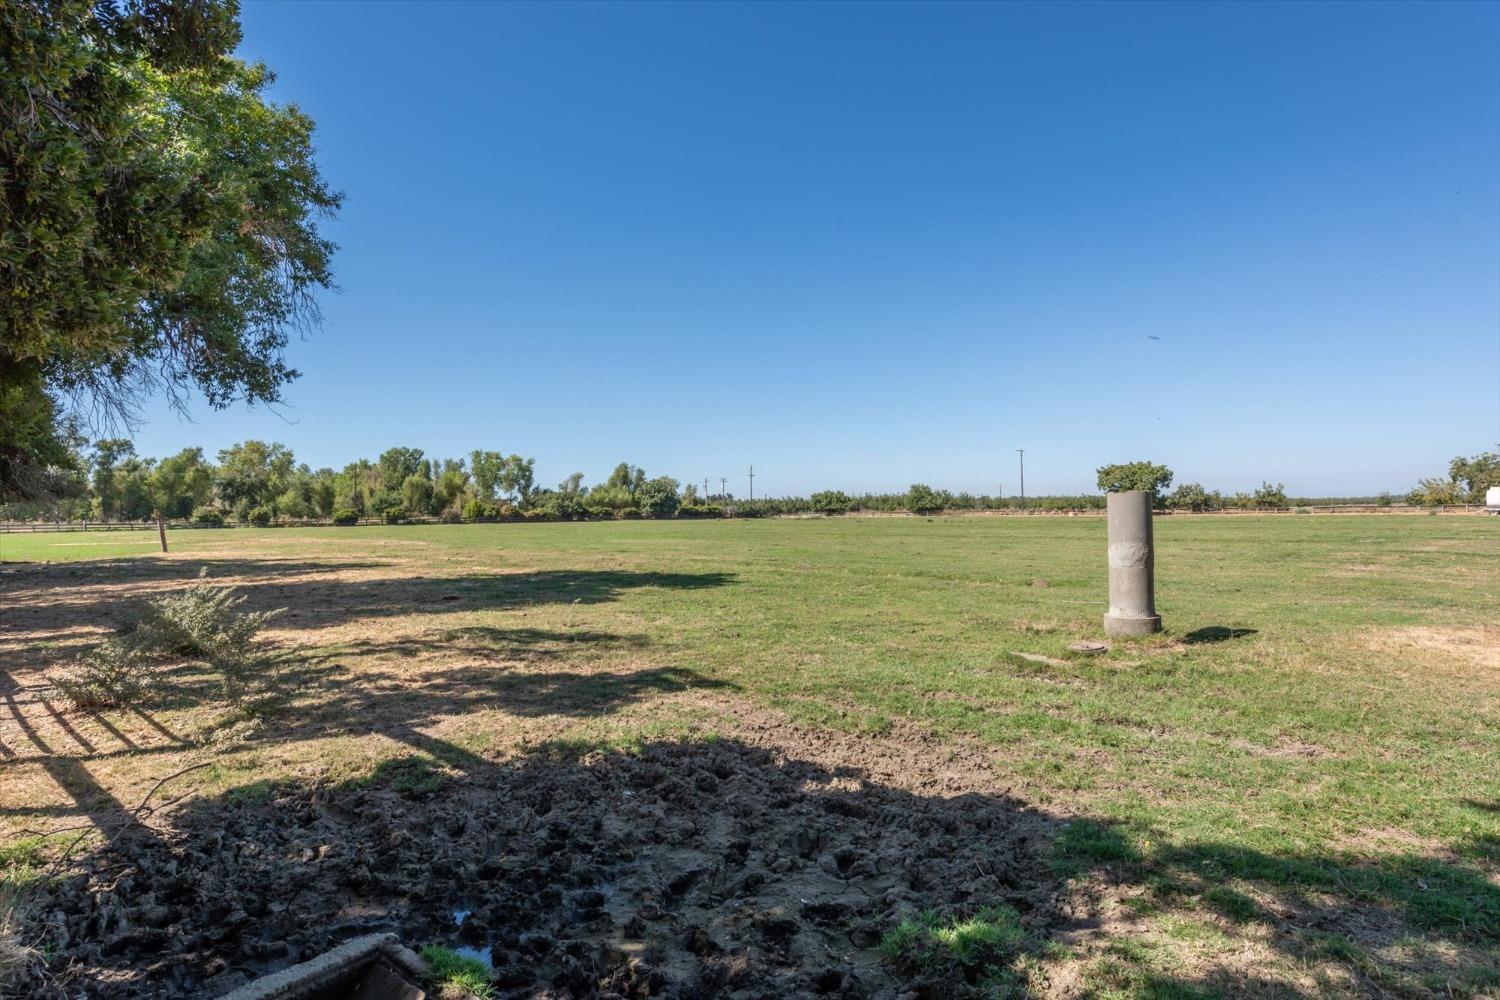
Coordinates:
column 127, row 821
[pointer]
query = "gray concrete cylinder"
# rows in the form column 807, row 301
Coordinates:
column 1132, row 566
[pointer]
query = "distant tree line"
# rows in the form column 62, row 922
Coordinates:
column 257, row 483
column 1468, row 479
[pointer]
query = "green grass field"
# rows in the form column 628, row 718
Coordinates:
column 1294, row 790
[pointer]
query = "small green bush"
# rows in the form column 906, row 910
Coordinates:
column 830, row 502
column 345, row 517
column 395, row 515
column 201, row 621
column 923, row 499
column 208, row 517
column 630, row 513
column 658, row 497
column 480, row 510
column 113, row 673
column 260, row 517
column 700, row 511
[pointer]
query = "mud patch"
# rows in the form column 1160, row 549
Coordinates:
column 685, row 869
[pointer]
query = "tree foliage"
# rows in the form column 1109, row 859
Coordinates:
column 1129, row 476
column 1468, row 479
column 1271, row 496
column 923, row 499
column 161, row 225
column 1192, row 496
column 658, row 497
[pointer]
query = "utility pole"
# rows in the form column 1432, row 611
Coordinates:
column 1022, row 453
column 723, row 487
column 705, row 489
column 752, row 482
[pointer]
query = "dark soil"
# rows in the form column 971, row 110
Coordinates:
column 687, row 869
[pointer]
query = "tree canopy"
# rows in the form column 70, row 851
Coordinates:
column 161, row 224
column 1129, row 476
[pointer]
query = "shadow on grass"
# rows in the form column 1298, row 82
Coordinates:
column 1215, row 633
column 53, row 599
column 1402, row 923
column 718, row 867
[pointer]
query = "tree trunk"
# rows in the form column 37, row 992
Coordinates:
column 161, row 529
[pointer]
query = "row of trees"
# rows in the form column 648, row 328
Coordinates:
column 254, row 482
column 1468, row 479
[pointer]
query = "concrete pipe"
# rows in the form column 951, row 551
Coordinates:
column 1132, row 566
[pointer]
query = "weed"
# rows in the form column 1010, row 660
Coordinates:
column 979, row 947
column 451, row 969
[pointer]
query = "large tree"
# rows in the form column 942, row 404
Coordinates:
column 160, row 220
column 253, row 474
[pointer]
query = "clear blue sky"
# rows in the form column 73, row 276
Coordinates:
column 865, row 245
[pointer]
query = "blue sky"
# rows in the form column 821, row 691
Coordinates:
column 861, row 246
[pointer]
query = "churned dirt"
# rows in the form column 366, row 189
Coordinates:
column 764, row 864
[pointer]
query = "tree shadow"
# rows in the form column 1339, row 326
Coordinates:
column 723, row 867
column 1401, row 923
column 43, row 600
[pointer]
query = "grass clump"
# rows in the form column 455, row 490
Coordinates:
column 973, row 948
column 453, row 971
column 15, row 955
column 201, row 622
column 18, row 869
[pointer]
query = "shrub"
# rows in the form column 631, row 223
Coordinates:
column 260, row 517
column 923, row 499
column 562, row 506
column 201, row 621
column 630, row 513
column 451, row 515
column 208, row 517
column 480, row 510
column 1192, row 496
column 346, row 517
column 395, row 515
column 831, row 502
column 702, row 510
column 1271, row 496
column 751, row 508
column 658, row 497
column 112, row 673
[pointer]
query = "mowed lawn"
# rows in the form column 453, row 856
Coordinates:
column 1297, row 782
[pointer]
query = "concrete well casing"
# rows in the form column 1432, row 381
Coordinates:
column 1132, row 565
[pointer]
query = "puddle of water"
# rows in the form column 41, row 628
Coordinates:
column 483, row 957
